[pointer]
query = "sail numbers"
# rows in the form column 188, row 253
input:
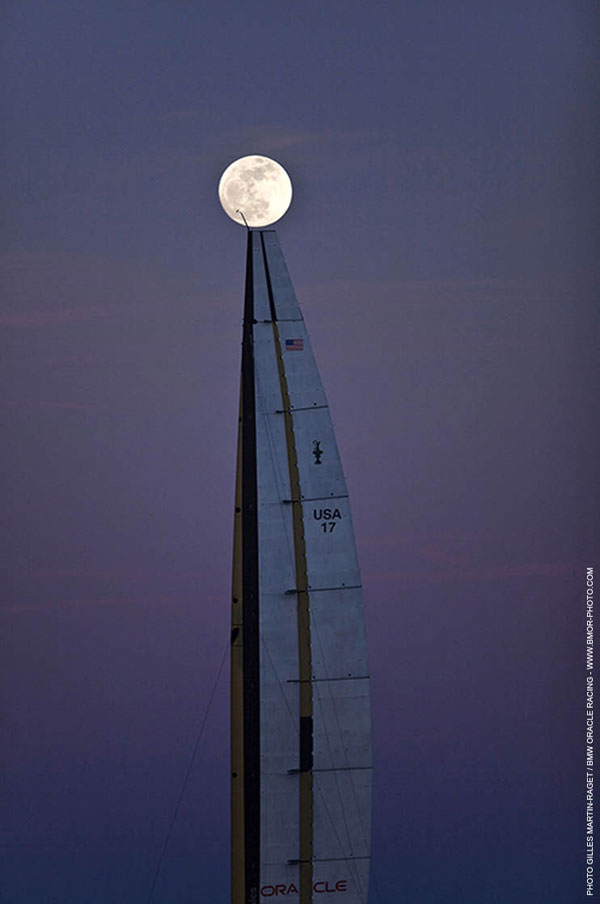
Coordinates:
column 328, row 517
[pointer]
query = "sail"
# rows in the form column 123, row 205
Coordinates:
column 300, row 707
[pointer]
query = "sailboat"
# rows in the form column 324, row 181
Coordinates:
column 301, row 767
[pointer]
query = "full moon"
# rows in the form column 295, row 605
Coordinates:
column 255, row 191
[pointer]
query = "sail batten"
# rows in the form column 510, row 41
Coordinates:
column 301, row 619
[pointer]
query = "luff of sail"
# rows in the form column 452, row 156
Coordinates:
column 300, row 708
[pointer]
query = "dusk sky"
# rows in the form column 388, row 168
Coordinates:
column 443, row 243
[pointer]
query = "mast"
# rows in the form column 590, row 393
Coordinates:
column 300, row 709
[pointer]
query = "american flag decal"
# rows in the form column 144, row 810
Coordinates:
column 294, row 345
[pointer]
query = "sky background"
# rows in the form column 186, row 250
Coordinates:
column 443, row 242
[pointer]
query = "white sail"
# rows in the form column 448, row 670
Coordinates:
column 301, row 753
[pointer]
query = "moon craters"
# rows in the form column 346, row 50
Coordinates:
column 258, row 187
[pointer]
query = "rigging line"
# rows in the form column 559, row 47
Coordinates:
column 354, row 792
column 328, row 739
column 357, row 884
column 188, row 773
column 284, row 520
column 329, row 748
column 279, row 478
column 337, row 719
column 343, row 746
column 279, row 684
column 348, row 860
column 356, row 880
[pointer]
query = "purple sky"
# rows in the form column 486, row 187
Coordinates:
column 443, row 247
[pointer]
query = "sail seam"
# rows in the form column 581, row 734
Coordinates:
column 319, row 498
column 343, row 678
column 324, row 589
column 332, row 769
column 294, row 409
